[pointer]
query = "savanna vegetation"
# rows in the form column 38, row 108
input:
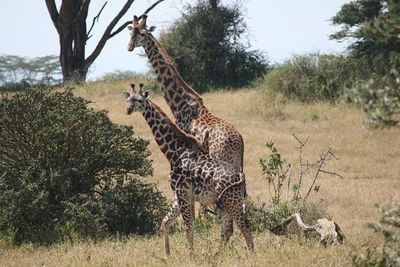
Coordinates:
column 367, row 161
column 80, row 186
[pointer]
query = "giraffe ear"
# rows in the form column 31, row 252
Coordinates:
column 145, row 94
column 130, row 27
column 125, row 95
column 152, row 28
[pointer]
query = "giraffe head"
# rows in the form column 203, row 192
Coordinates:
column 137, row 101
column 138, row 31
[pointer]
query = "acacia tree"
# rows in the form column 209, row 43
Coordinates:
column 70, row 22
column 373, row 27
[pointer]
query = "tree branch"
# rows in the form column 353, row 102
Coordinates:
column 321, row 162
column 94, row 20
column 123, row 26
column 150, row 8
column 332, row 173
column 106, row 35
column 52, row 8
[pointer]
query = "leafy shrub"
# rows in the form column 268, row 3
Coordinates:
column 69, row 171
column 285, row 191
column 379, row 97
column 310, row 77
column 389, row 227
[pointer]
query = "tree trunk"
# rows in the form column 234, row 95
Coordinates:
column 70, row 23
column 72, row 33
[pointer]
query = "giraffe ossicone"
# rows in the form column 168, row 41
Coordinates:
column 194, row 176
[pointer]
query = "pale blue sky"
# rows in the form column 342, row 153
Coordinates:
column 281, row 28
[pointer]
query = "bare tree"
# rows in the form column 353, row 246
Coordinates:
column 70, row 23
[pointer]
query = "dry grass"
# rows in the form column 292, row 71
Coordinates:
column 369, row 161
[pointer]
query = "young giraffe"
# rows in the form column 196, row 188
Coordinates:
column 224, row 141
column 195, row 176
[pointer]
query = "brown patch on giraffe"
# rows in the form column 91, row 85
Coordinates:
column 167, row 81
column 162, row 69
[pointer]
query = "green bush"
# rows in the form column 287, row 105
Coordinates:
column 379, row 97
column 311, row 77
column 287, row 194
column 68, row 171
column 389, row 227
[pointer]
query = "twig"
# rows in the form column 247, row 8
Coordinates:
column 123, row 26
column 289, row 176
column 94, row 20
column 150, row 8
column 298, row 140
column 321, row 162
column 302, row 171
column 332, row 173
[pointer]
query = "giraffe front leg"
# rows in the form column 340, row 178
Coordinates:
column 166, row 223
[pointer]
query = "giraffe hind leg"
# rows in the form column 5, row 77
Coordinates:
column 226, row 228
column 232, row 203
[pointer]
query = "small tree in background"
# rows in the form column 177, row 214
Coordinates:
column 68, row 171
column 19, row 72
column 205, row 44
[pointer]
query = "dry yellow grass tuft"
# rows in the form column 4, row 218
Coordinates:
column 368, row 160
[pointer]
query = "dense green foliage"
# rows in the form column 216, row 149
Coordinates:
column 373, row 28
column 205, row 44
column 68, row 171
column 18, row 73
column 311, row 77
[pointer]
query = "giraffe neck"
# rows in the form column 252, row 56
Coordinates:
column 171, row 140
column 184, row 102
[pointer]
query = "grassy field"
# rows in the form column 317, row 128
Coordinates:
column 368, row 161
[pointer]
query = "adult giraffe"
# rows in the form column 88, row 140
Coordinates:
column 195, row 176
column 223, row 141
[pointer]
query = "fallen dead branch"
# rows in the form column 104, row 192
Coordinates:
column 329, row 231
